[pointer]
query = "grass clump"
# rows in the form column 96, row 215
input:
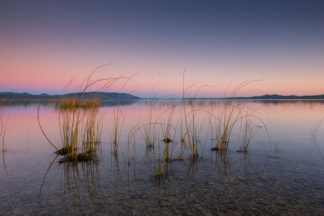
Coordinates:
column 248, row 131
column 79, row 124
column 79, row 157
column 250, row 125
column 229, row 116
column 72, row 103
column 80, row 130
column 225, row 122
column 167, row 126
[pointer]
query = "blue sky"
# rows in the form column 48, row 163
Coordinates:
column 45, row 43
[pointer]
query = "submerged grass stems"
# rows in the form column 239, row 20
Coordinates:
column 167, row 156
column 193, row 130
column 149, row 130
column 182, row 131
column 190, row 127
column 167, row 126
column 248, row 130
column 315, row 134
column 116, row 128
column 2, row 128
column 252, row 124
column 149, row 125
column 2, row 135
column 316, row 130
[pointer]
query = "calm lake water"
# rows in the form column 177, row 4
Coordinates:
column 282, row 173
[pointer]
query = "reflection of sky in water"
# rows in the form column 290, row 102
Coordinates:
column 287, row 178
column 286, row 122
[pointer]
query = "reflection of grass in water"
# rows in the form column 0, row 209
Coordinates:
column 80, row 182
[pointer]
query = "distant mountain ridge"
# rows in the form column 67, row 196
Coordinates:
column 282, row 97
column 103, row 96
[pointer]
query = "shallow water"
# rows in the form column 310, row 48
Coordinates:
column 280, row 175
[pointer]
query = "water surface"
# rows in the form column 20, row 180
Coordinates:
column 280, row 175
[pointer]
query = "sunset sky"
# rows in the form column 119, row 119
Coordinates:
column 219, row 43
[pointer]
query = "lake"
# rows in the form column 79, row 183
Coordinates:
column 282, row 173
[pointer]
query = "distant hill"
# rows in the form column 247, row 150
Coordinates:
column 282, row 97
column 103, row 96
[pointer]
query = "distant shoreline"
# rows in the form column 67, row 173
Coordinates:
column 114, row 96
column 105, row 98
